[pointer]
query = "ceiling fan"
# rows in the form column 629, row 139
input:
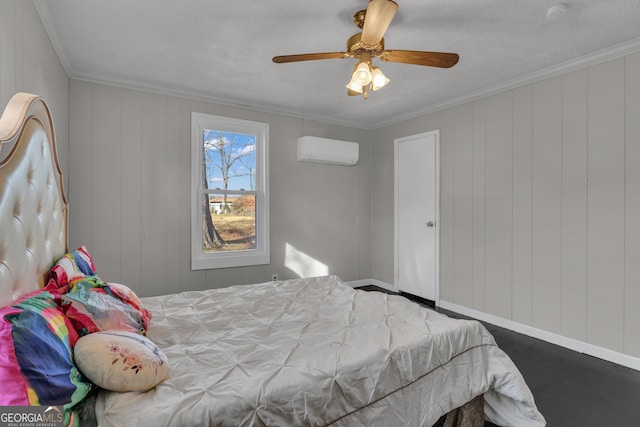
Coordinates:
column 369, row 44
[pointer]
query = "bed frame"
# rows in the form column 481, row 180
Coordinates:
column 33, row 206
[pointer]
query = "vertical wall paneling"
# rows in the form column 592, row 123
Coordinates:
column 463, row 206
column 190, row 280
column 547, row 207
column 522, row 201
column 478, row 174
column 555, row 202
column 19, row 48
column 80, row 192
column 33, row 56
column 335, row 231
column 574, row 205
column 106, row 175
column 341, row 229
column 148, row 137
column 447, row 177
column 39, row 71
column 632, row 205
column 282, row 162
column 382, row 211
column 154, row 196
column 363, row 221
column 217, row 278
column 605, row 302
column 8, row 41
column 129, row 137
column 232, row 276
column 499, row 205
column 173, row 209
column 314, row 192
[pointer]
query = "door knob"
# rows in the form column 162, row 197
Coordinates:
column 430, row 224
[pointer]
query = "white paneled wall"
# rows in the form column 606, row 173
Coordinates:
column 606, row 204
column 28, row 63
column 546, row 206
column 632, row 206
column 463, row 203
column 522, row 276
column 129, row 193
column 574, row 204
column 498, row 207
column 540, row 209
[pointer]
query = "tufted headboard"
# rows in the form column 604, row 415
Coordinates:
column 33, row 207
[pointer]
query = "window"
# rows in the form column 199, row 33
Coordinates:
column 230, row 200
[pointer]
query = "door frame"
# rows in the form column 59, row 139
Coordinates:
column 396, row 223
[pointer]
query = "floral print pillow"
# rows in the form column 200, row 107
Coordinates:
column 121, row 361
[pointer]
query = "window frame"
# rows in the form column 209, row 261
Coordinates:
column 236, row 258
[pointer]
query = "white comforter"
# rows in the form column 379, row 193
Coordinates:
column 315, row 352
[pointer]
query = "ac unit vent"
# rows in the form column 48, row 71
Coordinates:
column 324, row 150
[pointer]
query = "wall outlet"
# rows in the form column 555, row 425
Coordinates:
column 274, row 277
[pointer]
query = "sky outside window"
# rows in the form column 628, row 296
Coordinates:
column 233, row 152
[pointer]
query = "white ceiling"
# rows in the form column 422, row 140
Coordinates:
column 221, row 50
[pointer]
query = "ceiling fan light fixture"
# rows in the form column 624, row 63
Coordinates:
column 378, row 79
column 369, row 45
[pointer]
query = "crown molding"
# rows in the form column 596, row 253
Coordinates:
column 195, row 96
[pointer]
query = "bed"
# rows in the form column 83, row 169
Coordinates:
column 309, row 351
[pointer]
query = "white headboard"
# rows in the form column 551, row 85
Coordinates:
column 33, row 207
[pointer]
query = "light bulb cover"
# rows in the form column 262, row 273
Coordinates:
column 362, row 74
column 354, row 86
column 378, row 79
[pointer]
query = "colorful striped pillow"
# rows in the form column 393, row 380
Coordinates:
column 91, row 304
column 72, row 268
column 97, row 306
column 36, row 360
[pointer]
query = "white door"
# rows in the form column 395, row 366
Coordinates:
column 416, row 214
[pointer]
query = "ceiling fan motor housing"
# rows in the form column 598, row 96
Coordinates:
column 357, row 47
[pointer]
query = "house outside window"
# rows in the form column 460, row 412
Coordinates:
column 230, row 199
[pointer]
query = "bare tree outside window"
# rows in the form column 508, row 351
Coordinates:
column 210, row 237
column 229, row 203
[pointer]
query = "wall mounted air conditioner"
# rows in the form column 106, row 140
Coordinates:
column 323, row 150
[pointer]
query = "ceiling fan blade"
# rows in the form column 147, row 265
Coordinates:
column 310, row 57
column 377, row 19
column 430, row 59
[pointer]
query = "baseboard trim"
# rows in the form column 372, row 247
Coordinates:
column 553, row 338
